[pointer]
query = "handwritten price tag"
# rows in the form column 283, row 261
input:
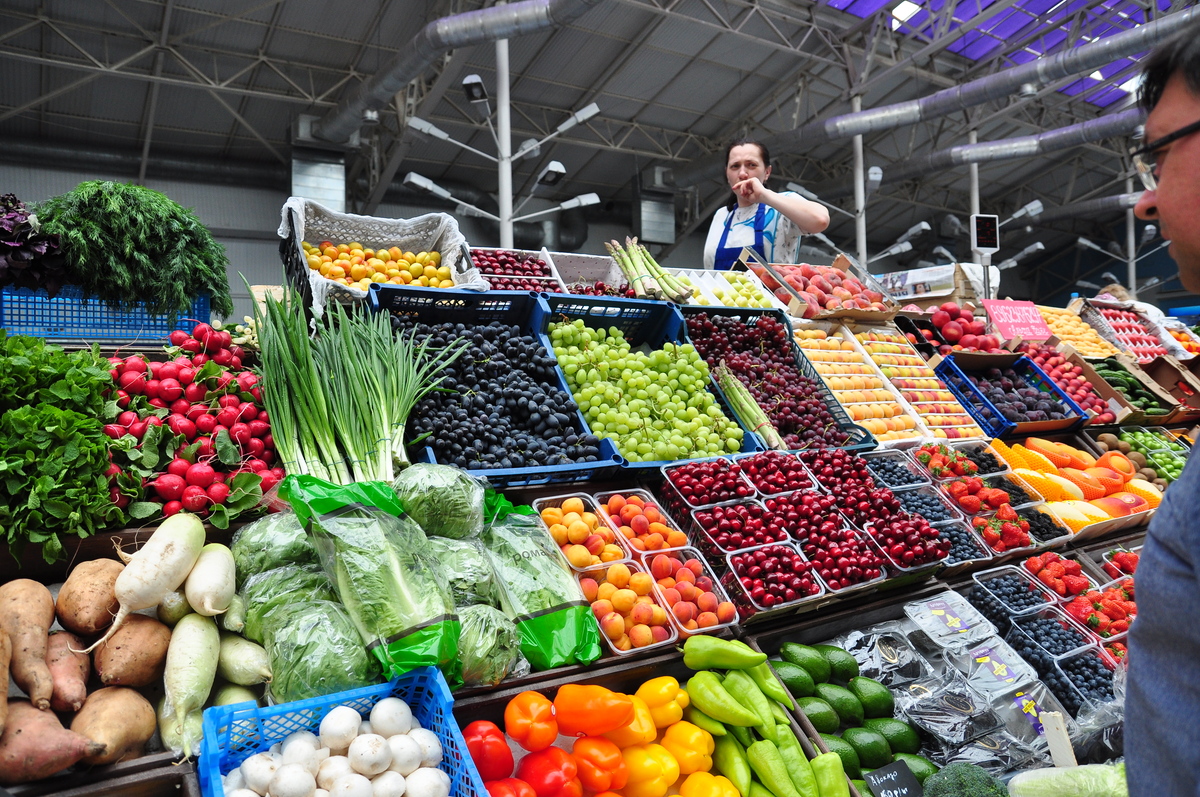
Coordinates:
column 894, row 780
column 1014, row 319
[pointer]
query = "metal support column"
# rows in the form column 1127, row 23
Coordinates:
column 1131, row 243
column 860, row 192
column 504, row 145
column 973, row 137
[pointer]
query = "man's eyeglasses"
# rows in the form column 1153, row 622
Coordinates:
column 1145, row 159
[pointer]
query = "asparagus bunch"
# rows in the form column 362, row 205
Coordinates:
column 648, row 279
column 746, row 408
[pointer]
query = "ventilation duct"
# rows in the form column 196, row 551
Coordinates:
column 1103, row 206
column 447, row 33
column 1118, row 124
column 1040, row 71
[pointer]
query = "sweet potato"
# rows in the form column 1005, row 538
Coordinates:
column 68, row 669
column 119, row 718
column 86, row 603
column 135, row 655
column 26, row 612
column 35, row 745
column 5, row 656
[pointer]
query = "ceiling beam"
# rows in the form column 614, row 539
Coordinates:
column 151, row 107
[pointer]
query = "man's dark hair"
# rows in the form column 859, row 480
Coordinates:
column 1180, row 53
column 742, row 142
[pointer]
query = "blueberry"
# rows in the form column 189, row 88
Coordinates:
column 963, row 545
column 891, row 473
column 928, row 506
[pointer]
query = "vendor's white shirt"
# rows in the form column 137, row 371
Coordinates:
column 781, row 238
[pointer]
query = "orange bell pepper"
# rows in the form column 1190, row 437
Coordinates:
column 638, row 730
column 691, row 745
column 704, row 784
column 529, row 720
column 586, row 709
column 666, row 700
column 652, row 770
column 601, row 766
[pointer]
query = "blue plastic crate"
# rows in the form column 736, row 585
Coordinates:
column 72, row 316
column 642, row 322
column 860, row 439
column 521, row 308
column 994, row 423
column 234, row 733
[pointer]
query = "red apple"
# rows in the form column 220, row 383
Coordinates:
column 952, row 309
column 952, row 331
column 940, row 319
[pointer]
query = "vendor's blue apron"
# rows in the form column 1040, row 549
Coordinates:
column 727, row 256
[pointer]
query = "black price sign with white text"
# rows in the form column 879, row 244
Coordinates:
column 894, row 780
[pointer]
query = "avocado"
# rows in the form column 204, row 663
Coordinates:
column 900, row 735
column 873, row 750
column 848, row 709
column 820, row 714
column 921, row 766
column 807, row 657
column 863, row 789
column 849, row 757
column 876, row 698
column 795, row 678
column 842, row 665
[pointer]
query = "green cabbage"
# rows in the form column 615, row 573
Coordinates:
column 1093, row 780
column 444, row 501
column 468, row 570
column 488, row 645
column 283, row 585
column 272, row 541
column 531, row 573
column 315, row 650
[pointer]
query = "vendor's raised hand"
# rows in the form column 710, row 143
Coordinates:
column 750, row 189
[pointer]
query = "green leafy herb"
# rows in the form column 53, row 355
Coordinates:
column 130, row 245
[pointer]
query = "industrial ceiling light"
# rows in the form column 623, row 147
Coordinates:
column 579, row 117
column 552, row 174
column 809, row 195
column 914, row 231
column 895, row 249
column 1036, row 246
column 1084, row 243
column 370, row 117
column 474, row 89
column 1149, row 233
column 874, row 178
column 1029, row 209
column 1115, row 249
column 1111, row 277
column 942, row 251
column 425, row 184
column 952, row 226
column 529, row 149
column 820, row 236
column 1028, row 90
column 1089, row 285
column 428, row 129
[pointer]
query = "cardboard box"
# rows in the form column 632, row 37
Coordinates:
column 1126, row 413
column 750, row 260
column 1130, row 364
column 1180, row 383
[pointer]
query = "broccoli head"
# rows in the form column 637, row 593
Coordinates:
column 963, row 780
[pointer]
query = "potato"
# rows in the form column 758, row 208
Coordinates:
column 35, row 745
column 5, row 655
column 86, row 604
column 119, row 718
column 135, row 655
column 26, row 613
column 68, row 669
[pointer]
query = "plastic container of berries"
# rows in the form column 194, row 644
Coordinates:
column 967, row 550
column 1020, row 494
column 976, row 451
column 901, row 569
column 722, row 529
column 1087, row 677
column 1044, row 526
column 928, row 503
column 746, row 569
column 775, row 472
column 831, row 466
column 708, row 482
column 617, row 523
column 1016, row 592
column 1050, row 631
column 895, row 470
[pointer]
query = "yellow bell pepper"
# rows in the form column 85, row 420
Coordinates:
column 666, row 700
column 691, row 745
column 652, row 770
column 704, row 784
column 638, row 730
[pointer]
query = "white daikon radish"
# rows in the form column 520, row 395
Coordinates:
column 210, row 585
column 191, row 665
column 242, row 662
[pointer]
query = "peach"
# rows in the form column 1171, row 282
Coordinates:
column 684, row 611
column 676, row 539
column 660, row 633
column 654, row 542
column 707, row 602
column 613, row 625
column 578, row 556
column 695, row 566
column 636, row 500
column 601, row 608
column 594, row 544
column 691, row 625
column 614, row 503
column 623, row 643
column 605, row 591
column 666, row 583
column 629, row 512
column 639, row 524
column 623, row 600
column 726, row 613
column 652, row 514
column 660, row 615
column 589, row 587
column 644, row 599
column 608, row 535
column 641, row 583
column 707, row 619
column 617, row 575
column 640, row 636
column 662, row 566
column 685, row 574
column 704, row 583
column 671, row 596
column 642, row 613
column 686, row 590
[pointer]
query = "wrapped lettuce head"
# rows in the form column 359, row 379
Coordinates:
column 445, row 501
column 315, row 650
column 270, row 542
column 283, row 585
column 488, row 646
column 468, row 570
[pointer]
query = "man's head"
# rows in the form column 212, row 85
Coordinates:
column 1171, row 93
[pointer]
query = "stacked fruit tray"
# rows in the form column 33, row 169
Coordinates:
column 857, row 384
column 900, row 364
column 726, row 288
column 1070, row 328
column 518, row 270
column 1019, row 397
column 1135, row 332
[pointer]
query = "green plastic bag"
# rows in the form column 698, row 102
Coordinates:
column 384, row 571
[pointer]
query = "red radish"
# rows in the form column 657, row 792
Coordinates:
column 222, row 357
column 180, row 406
column 154, row 420
column 225, row 338
column 270, row 441
column 227, row 417
column 279, row 473
column 172, row 508
column 115, row 430
column 205, row 448
column 169, row 389
column 259, row 429
column 195, row 412
column 201, row 332
column 138, row 429
column 114, row 374
column 257, row 393
column 132, row 382
column 228, row 401
column 177, row 337
column 200, row 474
column 247, row 412
column 113, row 471
column 194, row 498
column 256, row 465
column 150, row 389
column 155, row 367
column 269, row 480
column 246, row 380
column 218, row 492
column 219, row 477
column 195, row 392
column 181, row 425
column 186, row 374
column 135, row 363
column 169, row 486
column 262, row 416
column 239, row 432
column 182, row 361
column 237, row 351
column 255, row 447
column 268, row 456
column 205, row 424
column 117, row 362
column 191, row 346
column 157, row 402
column 224, row 380
column 122, row 399
column 179, row 467
column 235, row 363
column 126, row 418
column 117, row 497
column 200, row 359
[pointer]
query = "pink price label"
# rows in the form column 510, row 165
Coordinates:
column 1017, row 319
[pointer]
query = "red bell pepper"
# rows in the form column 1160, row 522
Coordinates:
column 489, row 750
column 509, row 787
column 551, row 772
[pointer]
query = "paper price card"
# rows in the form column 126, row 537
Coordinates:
column 1014, row 319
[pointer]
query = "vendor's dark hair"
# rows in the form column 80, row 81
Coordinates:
column 742, row 142
column 1180, row 53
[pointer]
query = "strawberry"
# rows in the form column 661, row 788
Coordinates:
column 1099, row 623
column 974, row 484
column 980, row 523
column 1007, row 513
column 956, row 489
column 1023, row 523
column 939, row 471
column 1051, row 556
column 1119, row 627
column 972, row 468
column 1117, row 649
column 1114, row 609
column 997, row 499
column 1112, row 570
column 1033, row 564
column 924, row 455
column 970, row 504
column 1056, row 569
column 1071, row 567
column 991, row 537
column 1127, row 561
column 958, row 467
column 1075, row 584
column 1013, row 537
column 1079, row 608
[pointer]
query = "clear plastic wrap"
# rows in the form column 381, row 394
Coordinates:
column 884, row 653
column 445, row 501
column 488, row 647
column 264, row 592
column 997, row 752
column 468, row 571
column 991, row 666
column 1094, row 780
column 315, row 650
column 949, row 620
column 947, row 708
column 270, row 542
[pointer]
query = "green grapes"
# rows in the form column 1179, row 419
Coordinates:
column 653, row 405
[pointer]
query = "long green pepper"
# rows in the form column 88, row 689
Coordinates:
column 764, row 675
column 768, row 765
column 744, row 690
column 706, row 691
column 703, row 652
column 703, row 721
column 730, row 760
column 796, row 762
column 831, row 776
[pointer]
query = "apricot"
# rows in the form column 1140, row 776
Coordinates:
column 707, row 620
column 726, row 613
column 666, row 583
column 578, row 556
column 639, row 524
column 623, row 600
column 600, row 608
column 676, row 539
column 641, row 583
column 589, row 587
column 611, row 553
column 636, row 500
column 642, row 613
column 623, row 643
column 686, row 590
column 695, row 566
column 685, row 574
column 618, row 575
column 573, row 505
column 578, row 531
column 614, row 503
column 659, row 617
column 684, row 611
column 605, row 591
column 671, row 596
column 640, row 636
column 707, row 602
column 558, row 532
column 660, row 633
column 653, row 542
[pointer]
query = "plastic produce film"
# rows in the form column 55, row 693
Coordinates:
column 315, row 650
column 947, row 708
column 1093, row 780
column 445, row 501
column 265, row 592
column 489, row 646
column 270, row 542
column 468, row 570
column 884, row 653
column 384, row 572
column 539, row 594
